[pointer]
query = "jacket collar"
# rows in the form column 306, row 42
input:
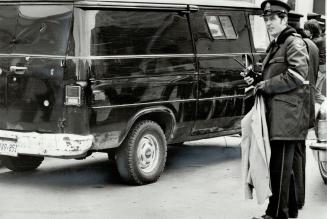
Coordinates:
column 284, row 34
column 281, row 37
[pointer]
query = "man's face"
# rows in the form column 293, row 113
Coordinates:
column 275, row 25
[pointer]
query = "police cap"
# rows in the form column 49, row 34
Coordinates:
column 274, row 7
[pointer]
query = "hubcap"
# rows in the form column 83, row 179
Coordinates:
column 148, row 153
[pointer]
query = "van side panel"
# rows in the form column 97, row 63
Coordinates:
column 138, row 60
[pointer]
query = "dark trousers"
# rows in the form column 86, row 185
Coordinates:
column 283, row 201
column 299, row 173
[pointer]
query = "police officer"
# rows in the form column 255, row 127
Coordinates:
column 286, row 93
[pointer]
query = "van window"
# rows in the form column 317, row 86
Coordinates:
column 42, row 29
column 7, row 27
column 259, row 32
column 227, row 28
column 214, row 27
column 127, row 32
column 221, row 27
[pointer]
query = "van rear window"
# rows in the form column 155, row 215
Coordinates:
column 35, row 29
column 7, row 27
column 221, row 27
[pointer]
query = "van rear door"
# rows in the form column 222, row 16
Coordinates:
column 34, row 38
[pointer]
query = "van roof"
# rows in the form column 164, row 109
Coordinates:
column 223, row 3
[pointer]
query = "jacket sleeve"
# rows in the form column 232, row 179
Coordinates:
column 297, row 72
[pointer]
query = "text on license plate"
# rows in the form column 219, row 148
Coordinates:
column 8, row 148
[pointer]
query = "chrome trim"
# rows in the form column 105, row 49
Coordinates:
column 167, row 101
column 189, row 55
column 130, row 5
column 220, row 98
column 199, row 55
column 38, row 56
column 210, row 3
column 38, row 3
column 143, row 104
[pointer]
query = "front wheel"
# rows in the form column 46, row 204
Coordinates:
column 323, row 169
column 142, row 156
column 21, row 163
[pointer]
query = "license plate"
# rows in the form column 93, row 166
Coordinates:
column 8, row 148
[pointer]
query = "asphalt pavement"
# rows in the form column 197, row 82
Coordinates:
column 202, row 179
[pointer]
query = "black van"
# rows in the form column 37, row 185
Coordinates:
column 124, row 77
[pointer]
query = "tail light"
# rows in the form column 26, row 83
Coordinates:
column 73, row 96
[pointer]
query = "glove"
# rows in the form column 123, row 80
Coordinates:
column 259, row 88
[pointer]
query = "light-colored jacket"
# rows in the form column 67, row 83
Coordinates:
column 256, row 152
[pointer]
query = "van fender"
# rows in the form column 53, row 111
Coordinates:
column 159, row 114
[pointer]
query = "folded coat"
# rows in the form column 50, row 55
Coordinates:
column 256, row 152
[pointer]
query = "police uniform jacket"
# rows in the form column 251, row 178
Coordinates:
column 286, row 89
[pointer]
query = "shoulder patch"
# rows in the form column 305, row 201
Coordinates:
column 296, row 42
column 298, row 45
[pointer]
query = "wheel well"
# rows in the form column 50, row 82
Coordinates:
column 164, row 120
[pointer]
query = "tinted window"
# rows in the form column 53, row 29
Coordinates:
column 8, row 19
column 220, row 31
column 43, row 29
column 123, row 32
column 221, row 27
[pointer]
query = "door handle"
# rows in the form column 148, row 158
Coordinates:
column 18, row 69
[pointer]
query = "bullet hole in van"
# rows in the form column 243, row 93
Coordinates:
column 43, row 27
column 46, row 103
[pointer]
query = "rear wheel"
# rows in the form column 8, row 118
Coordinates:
column 323, row 169
column 142, row 156
column 21, row 163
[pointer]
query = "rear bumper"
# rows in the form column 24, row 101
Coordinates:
column 319, row 150
column 61, row 145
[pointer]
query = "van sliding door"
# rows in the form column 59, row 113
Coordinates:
column 221, row 36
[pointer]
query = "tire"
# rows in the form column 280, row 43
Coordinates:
column 323, row 169
column 142, row 156
column 21, row 163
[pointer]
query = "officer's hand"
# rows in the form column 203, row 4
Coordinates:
column 249, row 80
column 259, row 88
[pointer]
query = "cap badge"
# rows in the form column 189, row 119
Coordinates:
column 267, row 7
